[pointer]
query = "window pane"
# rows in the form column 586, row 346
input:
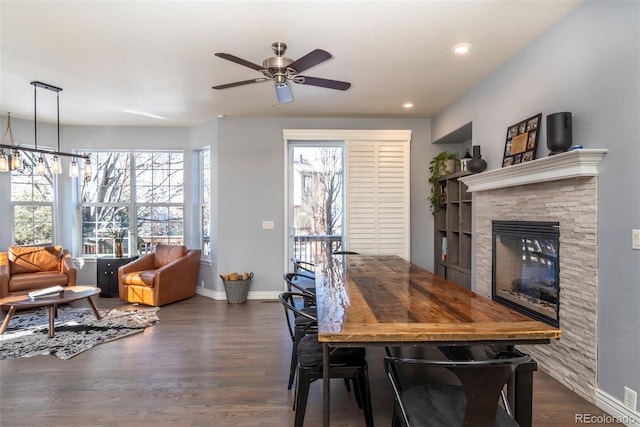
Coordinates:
column 100, row 227
column 110, row 181
column 33, row 224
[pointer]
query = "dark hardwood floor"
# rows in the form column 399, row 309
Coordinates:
column 207, row 363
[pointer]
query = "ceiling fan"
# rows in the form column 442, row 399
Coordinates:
column 281, row 70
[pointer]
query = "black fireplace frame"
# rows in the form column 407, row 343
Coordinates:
column 541, row 229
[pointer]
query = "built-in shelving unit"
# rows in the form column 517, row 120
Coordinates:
column 453, row 231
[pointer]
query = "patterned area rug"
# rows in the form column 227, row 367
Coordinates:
column 77, row 330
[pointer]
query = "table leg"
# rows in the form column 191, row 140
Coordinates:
column 326, row 408
column 5, row 323
column 53, row 309
column 94, row 308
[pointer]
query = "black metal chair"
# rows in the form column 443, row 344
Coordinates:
column 346, row 363
column 303, row 267
column 297, row 282
column 467, row 398
column 299, row 322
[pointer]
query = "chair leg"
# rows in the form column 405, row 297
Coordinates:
column 366, row 397
column 293, row 367
column 302, row 394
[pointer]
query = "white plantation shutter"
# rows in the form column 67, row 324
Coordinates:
column 377, row 197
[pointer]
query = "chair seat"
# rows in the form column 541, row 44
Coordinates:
column 310, row 354
column 31, row 281
column 140, row 278
column 442, row 405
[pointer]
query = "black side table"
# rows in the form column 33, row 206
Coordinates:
column 107, row 273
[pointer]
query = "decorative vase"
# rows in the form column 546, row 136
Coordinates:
column 118, row 248
column 464, row 162
column 476, row 164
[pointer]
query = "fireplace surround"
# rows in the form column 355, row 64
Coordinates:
column 561, row 188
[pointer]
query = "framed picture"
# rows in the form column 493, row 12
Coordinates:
column 522, row 141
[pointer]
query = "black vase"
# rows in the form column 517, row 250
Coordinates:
column 477, row 163
column 559, row 133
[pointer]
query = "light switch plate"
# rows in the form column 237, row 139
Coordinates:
column 267, row 225
column 635, row 244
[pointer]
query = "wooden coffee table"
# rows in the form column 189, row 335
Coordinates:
column 71, row 293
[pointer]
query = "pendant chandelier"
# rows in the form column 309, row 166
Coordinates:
column 12, row 160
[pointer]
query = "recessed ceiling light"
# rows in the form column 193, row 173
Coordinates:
column 462, row 48
column 408, row 105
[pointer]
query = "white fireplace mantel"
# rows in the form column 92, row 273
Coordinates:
column 570, row 164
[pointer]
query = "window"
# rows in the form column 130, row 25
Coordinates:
column 138, row 196
column 204, row 157
column 32, row 198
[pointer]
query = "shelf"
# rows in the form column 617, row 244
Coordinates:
column 453, row 224
column 570, row 164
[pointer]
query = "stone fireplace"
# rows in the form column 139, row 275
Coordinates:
column 561, row 189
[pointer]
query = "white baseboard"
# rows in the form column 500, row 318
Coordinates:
column 222, row 296
column 616, row 409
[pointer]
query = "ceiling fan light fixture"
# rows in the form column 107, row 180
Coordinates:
column 283, row 92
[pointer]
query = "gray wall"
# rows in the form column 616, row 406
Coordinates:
column 247, row 187
column 251, row 172
column 589, row 64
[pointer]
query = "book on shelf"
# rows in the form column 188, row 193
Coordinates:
column 46, row 293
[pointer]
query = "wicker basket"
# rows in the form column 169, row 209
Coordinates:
column 237, row 290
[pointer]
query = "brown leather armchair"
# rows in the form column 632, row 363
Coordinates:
column 27, row 268
column 168, row 275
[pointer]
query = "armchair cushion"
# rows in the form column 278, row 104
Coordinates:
column 34, row 259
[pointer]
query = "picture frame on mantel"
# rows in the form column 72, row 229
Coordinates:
column 522, row 141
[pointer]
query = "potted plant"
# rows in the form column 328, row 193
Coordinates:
column 442, row 164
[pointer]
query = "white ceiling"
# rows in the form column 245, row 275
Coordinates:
column 119, row 61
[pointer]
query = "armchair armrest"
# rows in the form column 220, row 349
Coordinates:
column 143, row 263
column 68, row 267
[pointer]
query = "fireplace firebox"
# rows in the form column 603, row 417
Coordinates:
column 526, row 268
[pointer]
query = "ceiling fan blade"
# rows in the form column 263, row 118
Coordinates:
column 311, row 59
column 244, row 82
column 316, row 81
column 240, row 61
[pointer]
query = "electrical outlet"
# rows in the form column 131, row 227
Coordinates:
column 202, row 283
column 267, row 225
column 630, row 398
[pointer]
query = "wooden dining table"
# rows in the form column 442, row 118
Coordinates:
column 387, row 301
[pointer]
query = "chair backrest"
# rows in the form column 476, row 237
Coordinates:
column 300, row 283
column 31, row 259
column 164, row 254
column 291, row 301
column 481, row 380
column 303, row 267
